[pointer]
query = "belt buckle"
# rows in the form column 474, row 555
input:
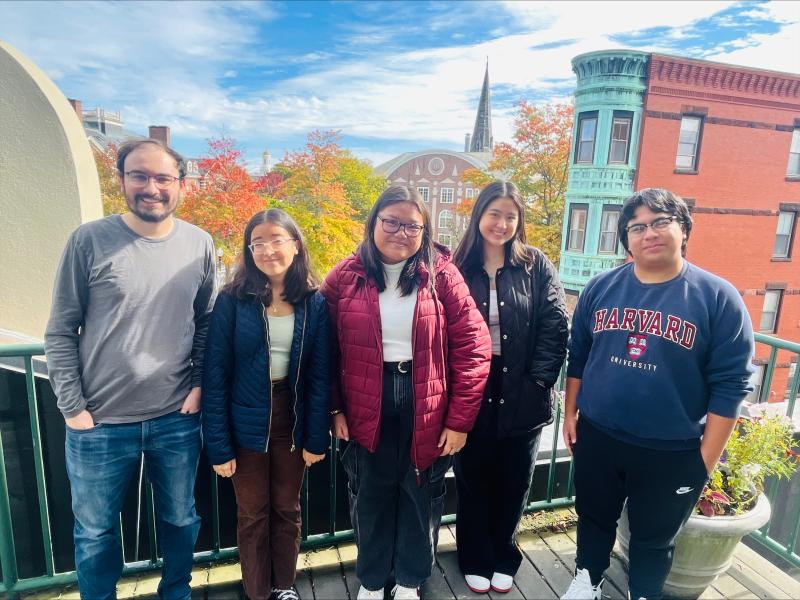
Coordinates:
column 400, row 367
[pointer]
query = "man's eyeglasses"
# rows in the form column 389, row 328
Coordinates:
column 659, row 224
column 393, row 226
column 140, row 179
column 261, row 247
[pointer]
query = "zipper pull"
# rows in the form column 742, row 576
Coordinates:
column 292, row 448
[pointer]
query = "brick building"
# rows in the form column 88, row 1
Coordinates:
column 727, row 139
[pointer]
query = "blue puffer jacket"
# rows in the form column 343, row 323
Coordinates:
column 236, row 384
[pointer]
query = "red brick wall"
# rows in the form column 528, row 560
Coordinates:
column 744, row 152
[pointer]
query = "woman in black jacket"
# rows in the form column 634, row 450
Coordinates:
column 266, row 396
column 519, row 294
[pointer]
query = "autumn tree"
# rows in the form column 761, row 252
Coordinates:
column 361, row 185
column 227, row 198
column 110, row 192
column 537, row 161
column 328, row 192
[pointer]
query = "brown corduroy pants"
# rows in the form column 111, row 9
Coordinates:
column 267, row 487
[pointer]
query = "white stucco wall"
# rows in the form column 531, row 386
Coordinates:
column 48, row 186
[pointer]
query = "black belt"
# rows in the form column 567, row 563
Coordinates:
column 402, row 367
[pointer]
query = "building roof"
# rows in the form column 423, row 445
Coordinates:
column 477, row 161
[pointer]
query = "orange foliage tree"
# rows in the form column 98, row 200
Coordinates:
column 327, row 191
column 227, row 198
column 110, row 192
column 538, row 163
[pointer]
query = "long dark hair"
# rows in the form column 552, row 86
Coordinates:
column 657, row 200
column 371, row 257
column 469, row 254
column 248, row 280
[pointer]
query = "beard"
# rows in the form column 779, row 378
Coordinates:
column 145, row 215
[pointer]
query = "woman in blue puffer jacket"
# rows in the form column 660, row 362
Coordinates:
column 266, row 398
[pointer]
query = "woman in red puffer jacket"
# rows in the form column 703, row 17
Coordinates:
column 412, row 354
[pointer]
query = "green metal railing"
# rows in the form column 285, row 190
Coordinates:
column 12, row 583
column 788, row 549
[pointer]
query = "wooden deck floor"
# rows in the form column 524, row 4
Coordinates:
column 546, row 571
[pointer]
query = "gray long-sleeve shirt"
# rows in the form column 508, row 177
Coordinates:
column 127, row 328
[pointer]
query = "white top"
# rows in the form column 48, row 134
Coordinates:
column 494, row 322
column 281, row 331
column 397, row 316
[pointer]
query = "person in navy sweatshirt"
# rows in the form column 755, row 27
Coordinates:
column 659, row 362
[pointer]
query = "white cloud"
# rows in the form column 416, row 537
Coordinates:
column 778, row 52
column 168, row 63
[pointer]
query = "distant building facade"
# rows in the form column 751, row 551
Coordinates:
column 437, row 173
column 727, row 139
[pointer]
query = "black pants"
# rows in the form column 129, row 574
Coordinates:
column 661, row 487
column 493, row 476
column 395, row 515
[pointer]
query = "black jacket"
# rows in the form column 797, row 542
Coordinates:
column 533, row 328
column 236, row 382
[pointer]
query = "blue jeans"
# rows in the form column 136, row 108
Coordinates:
column 100, row 463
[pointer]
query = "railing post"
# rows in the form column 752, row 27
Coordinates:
column 768, row 373
column 8, row 554
column 332, row 491
column 38, row 462
column 215, row 537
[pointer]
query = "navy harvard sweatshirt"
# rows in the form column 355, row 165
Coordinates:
column 655, row 358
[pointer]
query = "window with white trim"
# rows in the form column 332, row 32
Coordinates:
column 783, row 236
column 469, row 192
column 587, row 131
column 688, row 143
column 424, row 192
column 620, row 138
column 608, row 230
column 446, row 219
column 793, row 170
column 445, row 239
column 446, row 195
column 769, row 312
column 577, row 227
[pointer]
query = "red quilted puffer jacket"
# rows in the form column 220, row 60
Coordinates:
column 452, row 353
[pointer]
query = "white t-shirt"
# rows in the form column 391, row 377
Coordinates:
column 397, row 316
column 494, row 322
column 281, row 330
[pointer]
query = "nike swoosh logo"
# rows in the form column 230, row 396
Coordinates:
column 683, row 490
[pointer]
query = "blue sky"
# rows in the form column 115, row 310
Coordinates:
column 392, row 76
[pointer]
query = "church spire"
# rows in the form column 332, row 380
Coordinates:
column 482, row 133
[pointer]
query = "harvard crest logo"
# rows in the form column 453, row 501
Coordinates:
column 637, row 345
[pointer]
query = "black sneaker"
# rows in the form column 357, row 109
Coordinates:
column 289, row 594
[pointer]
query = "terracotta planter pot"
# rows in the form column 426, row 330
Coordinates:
column 704, row 547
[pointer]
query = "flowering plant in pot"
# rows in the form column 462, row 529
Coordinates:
column 732, row 504
column 761, row 446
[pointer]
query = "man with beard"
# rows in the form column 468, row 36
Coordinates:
column 124, row 346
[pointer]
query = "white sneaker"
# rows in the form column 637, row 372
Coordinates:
column 501, row 583
column 365, row 594
column 405, row 593
column 581, row 587
column 478, row 584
